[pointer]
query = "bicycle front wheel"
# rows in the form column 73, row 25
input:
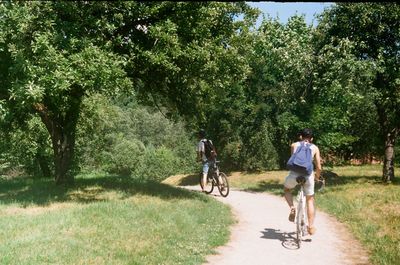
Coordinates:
column 209, row 185
column 223, row 184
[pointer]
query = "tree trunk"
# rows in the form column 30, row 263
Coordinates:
column 62, row 133
column 63, row 147
column 388, row 164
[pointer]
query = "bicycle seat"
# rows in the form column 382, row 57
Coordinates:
column 301, row 180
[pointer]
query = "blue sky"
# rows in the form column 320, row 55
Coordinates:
column 284, row 10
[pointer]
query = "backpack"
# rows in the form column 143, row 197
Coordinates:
column 209, row 150
column 301, row 160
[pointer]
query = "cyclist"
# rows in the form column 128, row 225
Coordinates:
column 290, row 181
column 201, row 157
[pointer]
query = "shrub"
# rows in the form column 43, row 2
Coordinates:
column 124, row 157
column 157, row 164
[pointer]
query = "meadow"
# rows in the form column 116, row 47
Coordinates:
column 105, row 219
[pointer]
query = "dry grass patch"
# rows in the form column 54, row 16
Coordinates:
column 35, row 210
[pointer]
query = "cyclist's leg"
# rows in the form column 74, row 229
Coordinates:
column 310, row 202
column 290, row 183
column 204, row 178
column 288, row 186
column 310, row 214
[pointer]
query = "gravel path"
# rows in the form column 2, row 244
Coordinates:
column 263, row 235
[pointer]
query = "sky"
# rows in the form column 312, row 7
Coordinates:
column 284, row 10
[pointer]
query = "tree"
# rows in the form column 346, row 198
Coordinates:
column 374, row 28
column 49, row 63
column 280, row 81
column 343, row 117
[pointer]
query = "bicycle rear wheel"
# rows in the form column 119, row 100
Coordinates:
column 299, row 225
column 223, row 187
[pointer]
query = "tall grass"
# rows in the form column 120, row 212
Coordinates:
column 107, row 220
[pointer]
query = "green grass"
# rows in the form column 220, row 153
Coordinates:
column 371, row 209
column 107, row 220
column 356, row 196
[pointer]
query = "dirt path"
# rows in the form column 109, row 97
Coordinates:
column 263, row 235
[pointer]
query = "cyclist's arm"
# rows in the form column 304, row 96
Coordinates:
column 199, row 155
column 318, row 167
column 199, row 152
column 292, row 148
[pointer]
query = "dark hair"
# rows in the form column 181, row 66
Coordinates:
column 202, row 133
column 307, row 133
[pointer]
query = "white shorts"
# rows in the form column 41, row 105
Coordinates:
column 290, row 182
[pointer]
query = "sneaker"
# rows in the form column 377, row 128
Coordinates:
column 292, row 214
column 311, row 230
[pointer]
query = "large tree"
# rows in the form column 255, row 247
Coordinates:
column 49, row 62
column 374, row 28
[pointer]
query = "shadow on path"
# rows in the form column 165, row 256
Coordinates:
column 288, row 240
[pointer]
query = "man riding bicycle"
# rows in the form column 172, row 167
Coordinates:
column 291, row 182
column 206, row 154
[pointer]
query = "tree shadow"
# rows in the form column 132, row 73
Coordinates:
column 189, row 180
column 25, row 191
column 272, row 186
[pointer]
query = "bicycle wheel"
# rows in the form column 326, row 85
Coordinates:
column 209, row 186
column 299, row 228
column 223, row 187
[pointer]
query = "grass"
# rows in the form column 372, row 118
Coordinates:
column 107, row 220
column 371, row 209
column 354, row 194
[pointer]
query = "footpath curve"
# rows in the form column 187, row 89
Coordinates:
column 263, row 235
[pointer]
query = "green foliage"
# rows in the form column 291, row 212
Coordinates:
column 371, row 29
column 159, row 164
column 124, row 156
column 132, row 140
column 258, row 152
column 87, row 69
column 27, row 149
column 50, row 64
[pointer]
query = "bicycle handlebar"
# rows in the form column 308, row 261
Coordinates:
column 322, row 180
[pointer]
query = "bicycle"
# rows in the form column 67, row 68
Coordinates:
column 301, row 222
column 213, row 179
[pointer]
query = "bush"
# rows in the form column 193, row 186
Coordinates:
column 27, row 149
column 259, row 153
column 158, row 164
column 124, row 157
column 134, row 140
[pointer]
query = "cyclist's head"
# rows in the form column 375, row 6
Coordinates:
column 202, row 133
column 307, row 134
